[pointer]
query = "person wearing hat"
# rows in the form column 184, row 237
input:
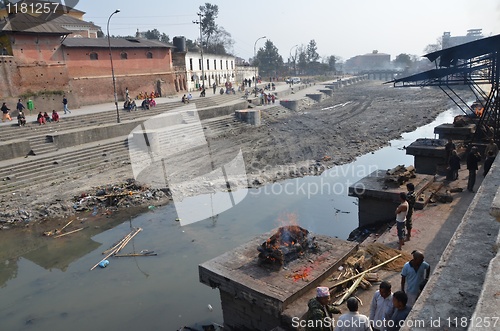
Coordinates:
column 353, row 320
column 473, row 159
column 320, row 312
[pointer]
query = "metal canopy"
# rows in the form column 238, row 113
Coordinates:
column 475, row 64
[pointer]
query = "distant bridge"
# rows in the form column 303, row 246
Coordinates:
column 380, row 74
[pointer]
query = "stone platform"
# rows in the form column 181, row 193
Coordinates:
column 255, row 295
column 378, row 200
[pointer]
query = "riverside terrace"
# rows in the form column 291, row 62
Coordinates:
column 71, row 144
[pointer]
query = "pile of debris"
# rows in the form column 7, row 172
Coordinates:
column 399, row 175
column 130, row 193
column 360, row 269
column 103, row 200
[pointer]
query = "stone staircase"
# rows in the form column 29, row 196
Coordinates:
column 34, row 131
column 50, row 168
column 51, row 165
column 41, row 145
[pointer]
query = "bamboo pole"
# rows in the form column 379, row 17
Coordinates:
column 117, row 244
column 364, row 272
column 102, row 260
column 350, row 291
column 64, row 227
column 127, row 241
column 135, row 254
column 65, row 234
column 116, row 250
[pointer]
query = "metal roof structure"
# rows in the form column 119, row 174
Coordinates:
column 25, row 23
column 475, row 64
column 115, row 43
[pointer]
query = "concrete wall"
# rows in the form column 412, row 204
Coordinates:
column 217, row 111
column 89, row 135
column 465, row 282
column 13, row 149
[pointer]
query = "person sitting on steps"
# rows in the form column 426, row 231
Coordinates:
column 21, row 119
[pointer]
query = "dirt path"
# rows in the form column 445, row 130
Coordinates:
column 358, row 119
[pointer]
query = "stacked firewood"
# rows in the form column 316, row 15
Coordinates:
column 399, row 175
column 359, row 270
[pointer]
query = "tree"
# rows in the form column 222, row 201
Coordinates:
column 152, row 34
column 434, row 47
column 209, row 13
column 331, row 61
column 215, row 39
column 302, row 62
column 403, row 61
column 268, row 60
column 312, row 52
column 221, row 42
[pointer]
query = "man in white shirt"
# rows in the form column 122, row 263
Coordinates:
column 353, row 320
column 381, row 308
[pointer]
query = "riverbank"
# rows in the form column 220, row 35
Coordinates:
column 358, row 119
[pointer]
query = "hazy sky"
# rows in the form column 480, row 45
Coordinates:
column 340, row 28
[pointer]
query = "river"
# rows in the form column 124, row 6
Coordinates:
column 52, row 288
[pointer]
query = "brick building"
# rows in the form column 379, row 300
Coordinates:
column 46, row 58
column 371, row 61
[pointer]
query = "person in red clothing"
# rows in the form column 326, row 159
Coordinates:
column 55, row 116
column 40, row 119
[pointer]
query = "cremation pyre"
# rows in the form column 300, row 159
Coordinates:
column 287, row 244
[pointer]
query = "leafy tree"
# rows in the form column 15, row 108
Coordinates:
column 312, row 52
column 302, row 62
column 403, row 61
column 268, row 60
column 152, row 34
column 209, row 13
column 331, row 61
column 215, row 39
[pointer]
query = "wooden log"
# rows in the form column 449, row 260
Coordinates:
column 350, row 291
column 394, row 170
column 65, row 234
column 366, row 271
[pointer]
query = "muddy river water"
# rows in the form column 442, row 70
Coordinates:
column 50, row 286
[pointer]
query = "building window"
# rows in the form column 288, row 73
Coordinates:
column 123, row 56
column 215, row 64
column 94, row 56
column 232, row 65
column 191, row 64
column 221, row 64
column 208, row 64
column 149, row 55
column 199, row 64
column 227, row 65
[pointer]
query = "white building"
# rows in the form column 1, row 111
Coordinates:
column 217, row 69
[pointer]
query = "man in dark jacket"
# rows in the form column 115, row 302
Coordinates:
column 472, row 165
column 319, row 315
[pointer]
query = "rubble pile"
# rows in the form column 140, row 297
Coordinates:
column 102, row 200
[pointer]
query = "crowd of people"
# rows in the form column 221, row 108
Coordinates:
column 388, row 310
column 42, row 117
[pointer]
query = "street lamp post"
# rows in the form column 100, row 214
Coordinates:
column 294, row 58
column 201, row 48
column 255, row 58
column 112, row 68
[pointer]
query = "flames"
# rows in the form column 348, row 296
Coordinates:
column 288, row 243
